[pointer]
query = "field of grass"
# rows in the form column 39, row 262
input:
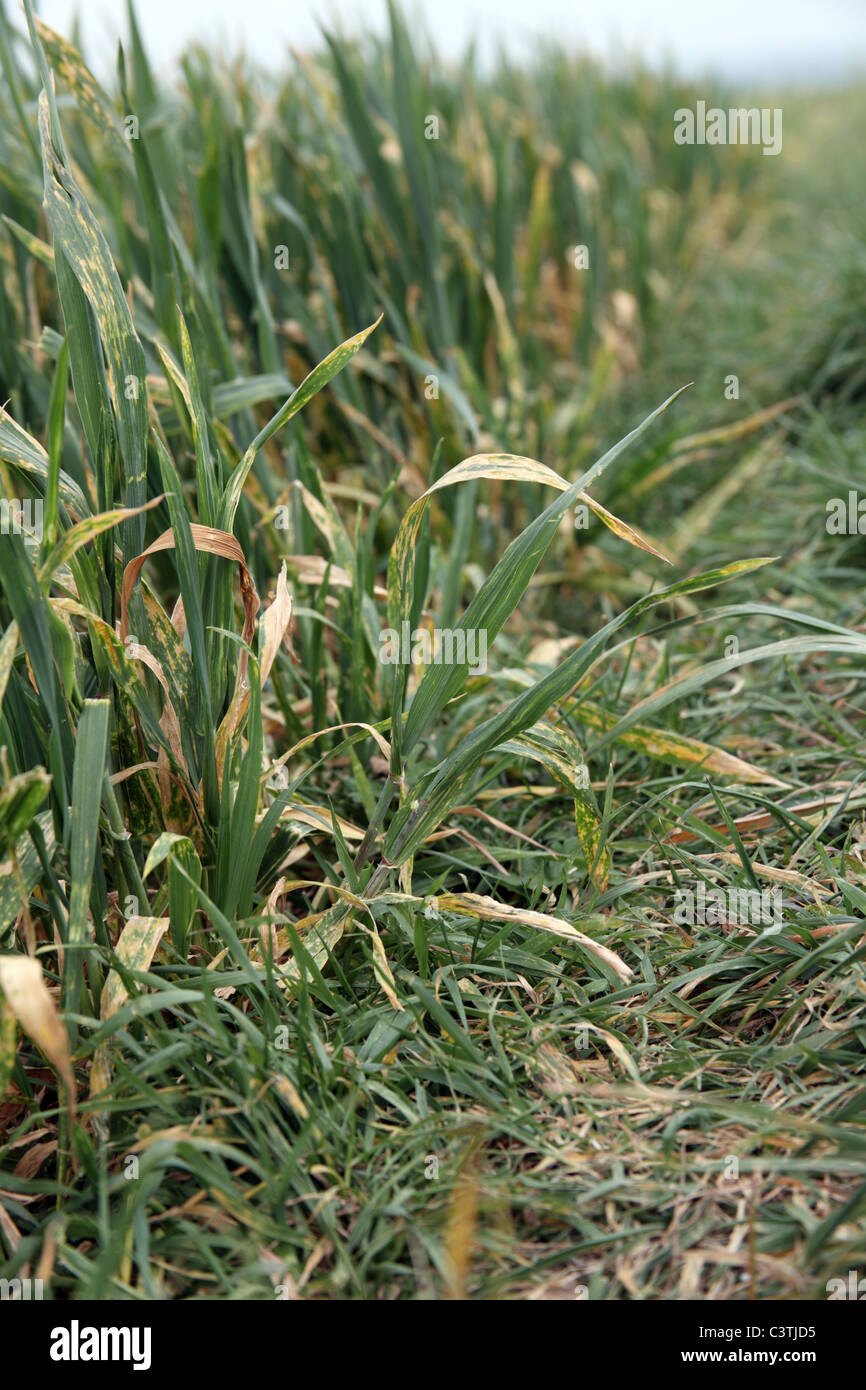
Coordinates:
column 329, row 977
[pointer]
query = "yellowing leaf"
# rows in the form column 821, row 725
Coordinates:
column 383, row 971
column 26, row 993
column 661, row 743
column 276, row 621
column 135, row 947
column 475, row 905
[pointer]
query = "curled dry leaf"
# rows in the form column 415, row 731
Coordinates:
column 30, row 1162
column 304, row 813
column 374, row 733
column 476, row 905
column 276, row 621
column 516, row 468
column 27, row 995
column 213, row 542
column 311, row 569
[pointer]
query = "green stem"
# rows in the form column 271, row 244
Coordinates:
column 124, row 849
column 385, row 799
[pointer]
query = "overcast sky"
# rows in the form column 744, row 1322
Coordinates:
column 743, row 40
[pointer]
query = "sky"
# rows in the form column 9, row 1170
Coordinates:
column 741, row 40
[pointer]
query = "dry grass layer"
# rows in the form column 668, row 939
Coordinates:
column 322, row 977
